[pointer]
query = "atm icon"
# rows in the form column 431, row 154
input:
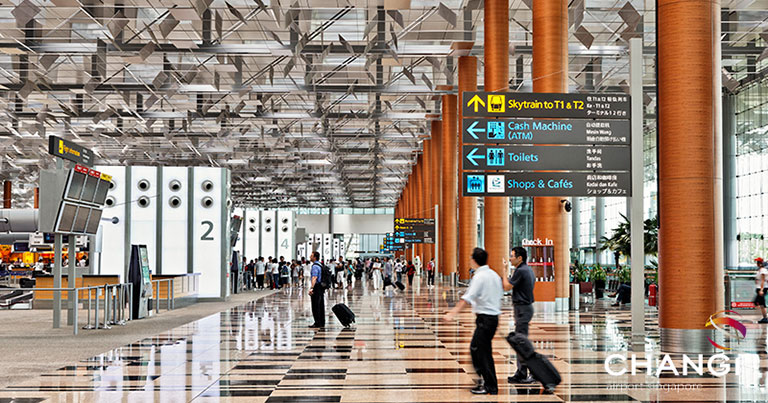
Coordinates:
column 496, row 103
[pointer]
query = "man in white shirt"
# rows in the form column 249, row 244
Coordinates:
column 484, row 294
column 260, row 269
column 761, row 288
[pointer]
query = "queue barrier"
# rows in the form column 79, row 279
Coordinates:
column 110, row 304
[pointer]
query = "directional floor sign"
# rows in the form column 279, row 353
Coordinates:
column 546, row 158
column 545, row 105
column 581, row 184
column 545, row 131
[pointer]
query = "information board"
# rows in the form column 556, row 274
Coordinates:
column 550, row 158
column 545, row 131
column 70, row 151
column 414, row 230
column 581, row 184
column 545, row 105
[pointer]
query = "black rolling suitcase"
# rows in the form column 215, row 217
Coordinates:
column 541, row 368
column 387, row 282
column 343, row 314
column 400, row 285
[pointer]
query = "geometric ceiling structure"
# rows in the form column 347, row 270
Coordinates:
column 312, row 103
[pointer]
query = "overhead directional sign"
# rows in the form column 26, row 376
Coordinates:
column 545, row 105
column 545, row 131
column 414, row 230
column 549, row 158
column 581, row 184
column 68, row 150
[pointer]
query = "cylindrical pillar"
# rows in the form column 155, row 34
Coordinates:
column 436, row 130
column 467, row 205
column 419, row 198
column 450, row 177
column 427, row 207
column 7, row 194
column 37, row 197
column 550, row 74
column 690, row 169
column 496, row 212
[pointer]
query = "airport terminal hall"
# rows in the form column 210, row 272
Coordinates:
column 383, row 201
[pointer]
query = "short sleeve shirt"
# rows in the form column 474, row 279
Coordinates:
column 317, row 271
column 523, row 281
column 764, row 273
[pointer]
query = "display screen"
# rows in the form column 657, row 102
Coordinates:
column 89, row 190
column 101, row 192
column 81, row 219
column 144, row 256
column 76, row 181
column 66, row 217
column 93, row 222
column 21, row 247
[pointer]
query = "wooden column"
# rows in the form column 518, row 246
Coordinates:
column 37, row 197
column 467, row 205
column 690, row 171
column 550, row 74
column 449, row 170
column 496, row 213
column 7, row 194
column 419, row 198
column 427, row 206
column 436, row 129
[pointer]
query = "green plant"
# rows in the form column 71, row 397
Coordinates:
column 598, row 273
column 620, row 240
column 581, row 272
column 624, row 274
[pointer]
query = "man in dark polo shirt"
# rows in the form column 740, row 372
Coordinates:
column 521, row 283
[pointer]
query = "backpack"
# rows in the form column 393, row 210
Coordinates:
column 326, row 277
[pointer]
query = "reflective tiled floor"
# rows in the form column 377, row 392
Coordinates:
column 398, row 351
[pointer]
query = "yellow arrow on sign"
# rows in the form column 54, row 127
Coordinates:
column 476, row 100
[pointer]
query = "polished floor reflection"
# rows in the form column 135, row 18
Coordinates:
column 398, row 351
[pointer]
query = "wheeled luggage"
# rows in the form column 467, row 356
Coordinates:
column 400, row 285
column 387, row 282
column 540, row 367
column 343, row 314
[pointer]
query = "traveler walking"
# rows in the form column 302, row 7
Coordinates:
column 307, row 273
column 410, row 271
column 387, row 271
column 316, row 292
column 761, row 288
column 521, row 283
column 399, row 270
column 275, row 274
column 484, row 294
column 431, row 273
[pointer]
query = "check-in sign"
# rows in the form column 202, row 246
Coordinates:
column 546, row 158
column 545, row 105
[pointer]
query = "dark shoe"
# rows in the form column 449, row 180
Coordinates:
column 615, row 304
column 481, row 390
column 763, row 320
column 519, row 379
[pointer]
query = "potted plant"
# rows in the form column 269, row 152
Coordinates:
column 582, row 276
column 598, row 278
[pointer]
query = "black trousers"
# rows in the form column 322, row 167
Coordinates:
column 410, row 280
column 318, row 305
column 260, row 280
column 523, row 316
column 480, row 350
column 431, row 277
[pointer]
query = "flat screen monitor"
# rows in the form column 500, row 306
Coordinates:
column 89, row 189
column 101, row 192
column 75, row 185
column 144, row 260
column 66, row 217
column 21, row 247
column 93, row 222
column 81, row 219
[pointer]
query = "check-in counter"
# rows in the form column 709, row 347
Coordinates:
column 87, row 280
column 184, row 286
